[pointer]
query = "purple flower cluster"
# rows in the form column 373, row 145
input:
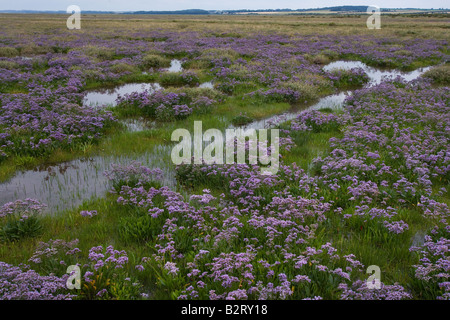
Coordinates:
column 348, row 78
column 103, row 270
column 133, row 174
column 17, row 283
column 433, row 268
column 394, row 149
column 87, row 213
column 171, row 268
column 57, row 248
column 190, row 78
column 360, row 291
column 317, row 121
column 22, row 209
column 276, row 222
column 165, row 105
column 46, row 119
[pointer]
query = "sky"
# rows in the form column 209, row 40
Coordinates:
column 158, row 5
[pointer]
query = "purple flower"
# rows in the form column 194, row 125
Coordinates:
column 89, row 214
column 171, row 268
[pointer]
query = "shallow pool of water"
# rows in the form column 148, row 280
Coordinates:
column 101, row 97
column 137, row 124
column 208, row 84
column 418, row 239
column 67, row 185
column 375, row 75
column 175, row 66
column 335, row 101
column 108, row 96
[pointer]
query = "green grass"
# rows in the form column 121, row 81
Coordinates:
column 308, row 146
column 138, row 77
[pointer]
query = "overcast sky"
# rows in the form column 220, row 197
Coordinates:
column 133, row 5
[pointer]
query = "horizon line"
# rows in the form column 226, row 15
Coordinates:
column 222, row 10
